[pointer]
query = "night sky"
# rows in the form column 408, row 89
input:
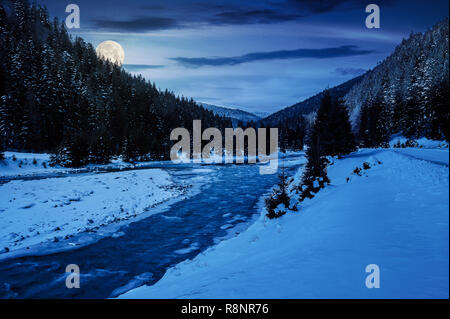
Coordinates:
column 255, row 55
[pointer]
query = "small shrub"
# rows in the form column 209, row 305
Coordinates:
column 357, row 171
column 277, row 212
column 14, row 158
column 278, row 202
column 34, row 161
column 366, row 165
column 311, row 186
column 306, row 192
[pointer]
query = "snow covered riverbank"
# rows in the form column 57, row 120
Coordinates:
column 53, row 210
column 394, row 214
column 18, row 165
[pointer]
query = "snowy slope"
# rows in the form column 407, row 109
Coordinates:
column 394, row 215
column 51, row 210
column 234, row 114
column 262, row 114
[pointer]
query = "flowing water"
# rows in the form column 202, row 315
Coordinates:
column 142, row 251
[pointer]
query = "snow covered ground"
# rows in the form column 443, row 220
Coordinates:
column 32, row 164
column 53, row 210
column 422, row 142
column 394, row 215
column 16, row 163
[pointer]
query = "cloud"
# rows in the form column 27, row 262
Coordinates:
column 137, row 24
column 152, row 7
column 141, row 67
column 351, row 71
column 323, row 6
column 315, row 6
column 265, row 16
column 325, row 53
column 195, row 13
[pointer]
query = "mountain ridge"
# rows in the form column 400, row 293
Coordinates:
column 417, row 66
column 235, row 114
column 310, row 105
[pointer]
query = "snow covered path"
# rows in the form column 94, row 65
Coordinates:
column 394, row 215
column 437, row 156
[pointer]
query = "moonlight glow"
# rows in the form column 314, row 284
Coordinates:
column 111, row 51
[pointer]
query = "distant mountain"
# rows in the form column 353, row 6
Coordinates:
column 234, row 114
column 309, row 106
column 262, row 114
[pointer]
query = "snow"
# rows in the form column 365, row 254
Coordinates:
column 394, row 215
column 33, row 164
column 423, row 142
column 437, row 156
column 48, row 210
column 16, row 163
column 316, row 184
column 233, row 113
column 193, row 247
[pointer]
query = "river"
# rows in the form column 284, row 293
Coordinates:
column 142, row 251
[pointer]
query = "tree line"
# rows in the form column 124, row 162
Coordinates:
column 57, row 96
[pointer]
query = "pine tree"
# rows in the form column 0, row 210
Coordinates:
column 333, row 127
column 375, row 123
column 345, row 140
column 278, row 202
column 315, row 174
column 2, row 154
column 439, row 112
column 74, row 151
column 100, row 146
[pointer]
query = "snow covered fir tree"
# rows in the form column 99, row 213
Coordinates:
column 58, row 96
column 408, row 92
column 330, row 135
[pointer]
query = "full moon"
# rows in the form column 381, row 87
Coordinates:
column 111, row 51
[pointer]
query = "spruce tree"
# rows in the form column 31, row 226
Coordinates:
column 333, row 127
column 315, row 174
column 2, row 154
column 320, row 145
column 439, row 112
column 374, row 126
column 278, row 202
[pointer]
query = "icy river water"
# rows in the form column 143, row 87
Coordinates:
column 146, row 248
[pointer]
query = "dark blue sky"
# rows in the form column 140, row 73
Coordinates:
column 256, row 55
